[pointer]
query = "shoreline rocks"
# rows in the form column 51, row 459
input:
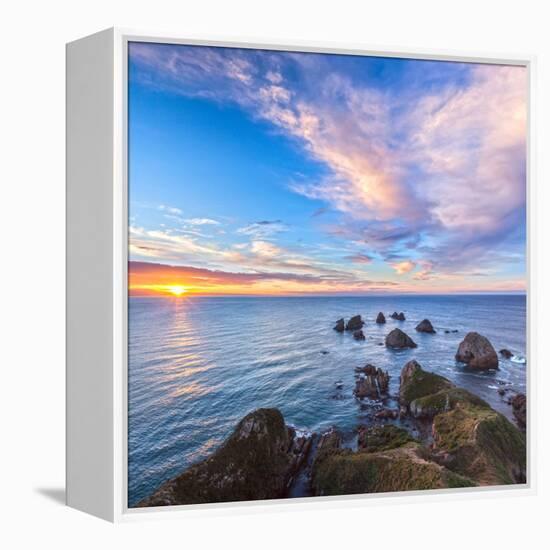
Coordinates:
column 477, row 352
column 355, row 323
column 380, row 319
column 425, row 326
column 256, row 462
column 519, row 408
column 397, row 339
column 506, row 353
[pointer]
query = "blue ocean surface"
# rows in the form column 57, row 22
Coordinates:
column 197, row 365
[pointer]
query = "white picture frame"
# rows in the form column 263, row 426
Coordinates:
column 97, row 256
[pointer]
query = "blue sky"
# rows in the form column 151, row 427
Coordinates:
column 275, row 172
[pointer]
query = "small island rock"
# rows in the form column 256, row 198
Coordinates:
column 380, row 319
column 425, row 326
column 477, row 352
column 355, row 323
column 359, row 335
column 506, row 353
column 340, row 325
column 397, row 339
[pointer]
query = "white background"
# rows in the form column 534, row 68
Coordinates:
column 32, row 69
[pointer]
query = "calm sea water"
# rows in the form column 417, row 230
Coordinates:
column 198, row 365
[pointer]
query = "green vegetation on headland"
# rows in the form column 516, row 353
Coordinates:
column 472, row 445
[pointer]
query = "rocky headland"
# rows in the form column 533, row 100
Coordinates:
column 439, row 436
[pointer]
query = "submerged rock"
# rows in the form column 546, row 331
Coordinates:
column 397, row 339
column 256, row 462
column 506, row 353
column 477, row 352
column 358, row 335
column 380, row 319
column 340, row 325
column 425, row 326
column 355, row 323
column 519, row 408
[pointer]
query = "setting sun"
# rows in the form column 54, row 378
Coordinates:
column 177, row 290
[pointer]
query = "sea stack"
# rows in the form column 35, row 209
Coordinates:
column 397, row 339
column 398, row 316
column 425, row 326
column 355, row 323
column 380, row 319
column 340, row 326
column 477, row 352
column 358, row 335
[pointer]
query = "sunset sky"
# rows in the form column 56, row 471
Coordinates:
column 261, row 172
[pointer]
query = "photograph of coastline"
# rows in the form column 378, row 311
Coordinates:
column 327, row 274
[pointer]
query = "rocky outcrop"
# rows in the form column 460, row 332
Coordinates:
column 371, row 382
column 256, row 462
column 425, row 326
column 397, row 339
column 388, row 459
column 398, row 316
column 477, row 352
column 358, row 335
column 340, row 325
column 506, row 353
column 380, row 319
column 416, row 384
column 519, row 408
column 469, row 437
column 355, row 323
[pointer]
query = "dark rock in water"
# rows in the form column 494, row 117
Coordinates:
column 519, row 407
column 425, row 326
column 324, row 352
column 368, row 369
column 380, row 344
column 380, row 319
column 477, row 352
column 398, row 316
column 340, row 325
column 373, row 384
column 339, row 385
column 355, row 323
column 358, row 335
column 397, row 339
column 506, row 353
column 501, row 391
column 256, row 462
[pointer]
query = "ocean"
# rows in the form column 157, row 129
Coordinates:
column 197, row 365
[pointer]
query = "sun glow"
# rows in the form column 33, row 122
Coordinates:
column 177, row 290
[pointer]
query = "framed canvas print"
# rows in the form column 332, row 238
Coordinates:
column 295, row 274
